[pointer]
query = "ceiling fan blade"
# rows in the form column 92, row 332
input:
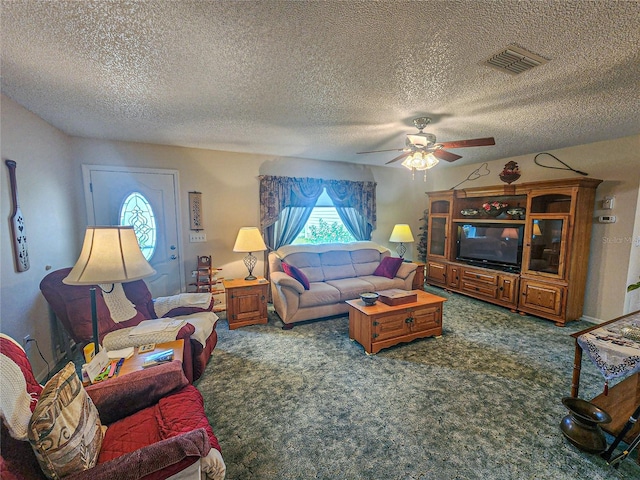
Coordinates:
column 390, row 150
column 399, row 157
column 476, row 142
column 446, row 156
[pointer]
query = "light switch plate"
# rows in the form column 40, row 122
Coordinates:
column 197, row 237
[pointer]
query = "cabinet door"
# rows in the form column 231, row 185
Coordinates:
column 438, row 236
column 391, row 325
column 437, row 273
column 425, row 318
column 542, row 297
column 545, row 250
column 508, row 290
column 453, row 276
column 248, row 303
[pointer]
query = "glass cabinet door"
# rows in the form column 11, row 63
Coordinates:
column 438, row 236
column 545, row 253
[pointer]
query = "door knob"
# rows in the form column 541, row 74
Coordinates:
column 173, row 257
column 172, row 247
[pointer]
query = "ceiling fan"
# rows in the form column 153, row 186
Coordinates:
column 421, row 148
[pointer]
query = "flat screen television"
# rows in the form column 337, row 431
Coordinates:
column 491, row 245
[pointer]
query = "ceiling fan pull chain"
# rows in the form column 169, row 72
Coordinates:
column 535, row 160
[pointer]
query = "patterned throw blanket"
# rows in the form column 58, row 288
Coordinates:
column 611, row 350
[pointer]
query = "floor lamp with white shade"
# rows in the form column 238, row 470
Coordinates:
column 109, row 255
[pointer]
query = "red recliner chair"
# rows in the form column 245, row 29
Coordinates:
column 72, row 305
column 156, row 424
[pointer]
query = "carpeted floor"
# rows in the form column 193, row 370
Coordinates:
column 481, row 402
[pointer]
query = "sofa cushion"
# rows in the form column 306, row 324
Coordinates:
column 296, row 273
column 308, row 263
column 319, row 293
column 174, row 414
column 383, row 283
column 365, row 261
column 388, row 267
column 337, row 264
column 65, row 430
column 351, row 288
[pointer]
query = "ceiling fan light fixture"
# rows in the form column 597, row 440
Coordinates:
column 420, row 161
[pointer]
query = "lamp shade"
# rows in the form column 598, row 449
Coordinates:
column 401, row 233
column 536, row 229
column 249, row 240
column 510, row 233
column 109, row 255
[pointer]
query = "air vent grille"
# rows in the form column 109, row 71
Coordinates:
column 514, row 60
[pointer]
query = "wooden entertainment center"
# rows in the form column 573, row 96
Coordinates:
column 551, row 223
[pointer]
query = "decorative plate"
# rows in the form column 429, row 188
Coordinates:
column 467, row 212
column 516, row 211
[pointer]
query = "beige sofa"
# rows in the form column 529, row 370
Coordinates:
column 335, row 273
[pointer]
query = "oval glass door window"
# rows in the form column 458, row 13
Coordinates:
column 136, row 212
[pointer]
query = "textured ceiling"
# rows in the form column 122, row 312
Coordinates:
column 324, row 80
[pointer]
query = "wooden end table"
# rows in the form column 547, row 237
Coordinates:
column 418, row 279
column 381, row 326
column 246, row 301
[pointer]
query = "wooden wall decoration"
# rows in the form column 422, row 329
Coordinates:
column 18, row 233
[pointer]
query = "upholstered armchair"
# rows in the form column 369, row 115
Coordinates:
column 72, row 306
column 156, row 426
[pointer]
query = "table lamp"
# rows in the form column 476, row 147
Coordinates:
column 401, row 234
column 249, row 240
column 109, row 255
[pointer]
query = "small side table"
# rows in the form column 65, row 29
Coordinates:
column 418, row 279
column 246, row 301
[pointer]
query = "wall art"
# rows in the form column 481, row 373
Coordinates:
column 18, row 233
column 195, row 211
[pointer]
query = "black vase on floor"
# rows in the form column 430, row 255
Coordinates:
column 582, row 425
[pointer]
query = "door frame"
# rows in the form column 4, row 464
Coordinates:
column 88, row 200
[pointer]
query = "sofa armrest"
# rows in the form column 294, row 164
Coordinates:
column 180, row 451
column 284, row 280
column 406, row 269
column 120, row 397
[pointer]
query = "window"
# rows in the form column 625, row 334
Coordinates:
column 136, row 212
column 324, row 225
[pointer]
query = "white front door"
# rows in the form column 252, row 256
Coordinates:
column 107, row 188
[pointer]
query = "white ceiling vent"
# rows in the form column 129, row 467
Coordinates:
column 514, row 60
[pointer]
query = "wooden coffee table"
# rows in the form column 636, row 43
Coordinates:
column 381, row 326
column 134, row 363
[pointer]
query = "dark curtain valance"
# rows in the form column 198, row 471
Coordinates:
column 278, row 193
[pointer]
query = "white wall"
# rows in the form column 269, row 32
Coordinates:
column 47, row 196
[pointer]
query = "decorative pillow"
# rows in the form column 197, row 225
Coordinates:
column 296, row 273
column 388, row 267
column 65, row 430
